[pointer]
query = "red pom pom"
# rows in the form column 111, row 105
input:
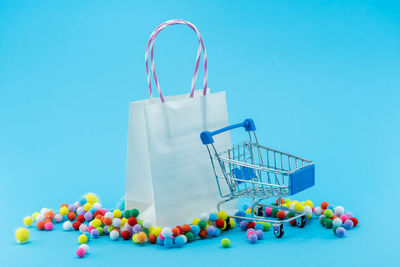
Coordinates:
column 40, row 225
column 126, row 235
column 293, row 223
column 203, row 233
column 281, row 215
column 64, row 205
column 107, row 221
column 175, row 231
column 80, row 218
column 186, row 228
column 152, row 239
column 219, row 223
column 132, row 221
column 324, row 205
column 71, row 216
column 333, row 217
column 76, row 225
column 251, row 225
column 355, row 221
column 97, row 212
column 180, row 228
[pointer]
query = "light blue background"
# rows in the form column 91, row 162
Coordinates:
column 320, row 79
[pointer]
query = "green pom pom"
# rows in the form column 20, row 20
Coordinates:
column 322, row 221
column 202, row 224
column 110, row 228
column 334, row 229
column 328, row 223
column 274, row 211
column 140, row 222
column 273, row 204
column 328, row 213
column 189, row 236
column 127, row 214
column 267, row 226
column 146, row 231
column 225, row 243
column 100, row 229
column 291, row 214
column 134, row 212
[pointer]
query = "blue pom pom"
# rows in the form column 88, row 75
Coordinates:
column 87, row 234
column 195, row 229
column 210, row 230
column 92, row 210
column 213, row 217
column 217, row 232
column 330, row 207
column 259, row 226
column 179, row 241
column 160, row 241
column 82, row 201
column 168, row 242
column 240, row 213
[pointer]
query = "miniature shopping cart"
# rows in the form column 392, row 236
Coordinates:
column 250, row 170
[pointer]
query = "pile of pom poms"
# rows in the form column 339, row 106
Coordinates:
column 336, row 218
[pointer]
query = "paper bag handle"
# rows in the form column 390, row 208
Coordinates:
column 151, row 42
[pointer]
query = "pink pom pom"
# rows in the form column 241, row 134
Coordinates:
column 268, row 211
column 80, row 252
column 344, row 218
column 48, row 226
column 90, row 228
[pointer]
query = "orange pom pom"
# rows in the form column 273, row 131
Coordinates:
column 281, row 215
column 324, row 205
column 176, row 231
column 152, row 239
column 40, row 225
column 107, row 221
column 71, row 216
column 186, row 228
column 64, row 205
column 49, row 215
column 282, row 201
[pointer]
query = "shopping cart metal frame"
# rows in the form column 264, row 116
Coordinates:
column 251, row 170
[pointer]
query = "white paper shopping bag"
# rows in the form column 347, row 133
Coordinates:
column 169, row 175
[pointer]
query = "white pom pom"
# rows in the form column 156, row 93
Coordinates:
column 67, row 226
column 116, row 222
column 40, row 218
column 166, row 232
column 339, row 211
column 146, row 224
column 184, row 238
column 97, row 205
column 292, row 206
column 204, row 217
column 43, row 211
column 58, row 218
column 337, row 222
column 307, row 210
column 109, row 215
column 114, row 235
column 317, row 211
column 85, row 247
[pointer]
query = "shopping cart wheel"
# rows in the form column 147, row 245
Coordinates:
column 278, row 230
column 301, row 222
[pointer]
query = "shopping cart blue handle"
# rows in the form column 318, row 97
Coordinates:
column 207, row 137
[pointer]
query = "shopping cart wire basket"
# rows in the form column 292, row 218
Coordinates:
column 251, row 170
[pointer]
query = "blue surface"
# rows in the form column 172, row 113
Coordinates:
column 321, row 79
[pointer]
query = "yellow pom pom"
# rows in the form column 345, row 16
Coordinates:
column 134, row 239
column 96, row 223
column 309, row 215
column 298, row 207
column 308, row 203
column 222, row 215
column 195, row 221
column 82, row 239
column 248, row 211
column 232, row 222
column 223, row 228
column 295, row 201
column 91, row 198
column 87, row 206
column 117, row 213
column 28, row 220
column 34, row 215
column 22, row 235
column 156, row 231
column 287, row 201
column 123, row 221
column 64, row 210
column 150, row 229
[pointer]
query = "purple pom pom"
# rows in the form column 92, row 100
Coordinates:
column 88, row 216
column 348, row 224
column 80, row 211
column 137, row 228
column 348, row 214
column 260, row 234
column 72, row 208
column 252, row 238
column 210, row 230
column 243, row 225
column 340, row 232
column 95, row 233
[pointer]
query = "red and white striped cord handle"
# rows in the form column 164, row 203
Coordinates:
column 150, row 44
